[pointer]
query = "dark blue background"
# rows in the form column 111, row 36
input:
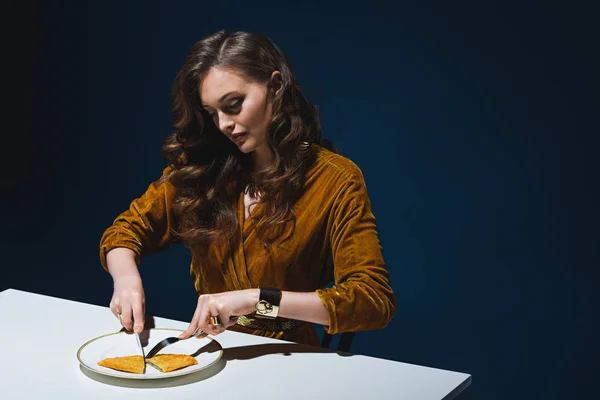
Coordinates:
column 475, row 126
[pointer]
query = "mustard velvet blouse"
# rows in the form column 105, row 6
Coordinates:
column 334, row 240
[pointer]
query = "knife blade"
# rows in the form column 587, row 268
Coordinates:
column 140, row 348
column 137, row 339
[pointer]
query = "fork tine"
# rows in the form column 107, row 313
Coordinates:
column 170, row 340
column 161, row 345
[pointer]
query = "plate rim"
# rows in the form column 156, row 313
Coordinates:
column 144, row 376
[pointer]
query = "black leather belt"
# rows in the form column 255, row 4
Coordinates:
column 271, row 325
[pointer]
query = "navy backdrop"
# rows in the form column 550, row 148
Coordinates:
column 475, row 126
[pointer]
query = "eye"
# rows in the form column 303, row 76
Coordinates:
column 237, row 103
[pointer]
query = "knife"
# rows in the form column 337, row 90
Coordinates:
column 140, row 348
column 137, row 339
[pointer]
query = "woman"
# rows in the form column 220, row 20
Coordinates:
column 269, row 214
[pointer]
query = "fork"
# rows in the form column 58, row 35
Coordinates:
column 170, row 340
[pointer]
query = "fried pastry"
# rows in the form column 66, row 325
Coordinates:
column 133, row 364
column 171, row 362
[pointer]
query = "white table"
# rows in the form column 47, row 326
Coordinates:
column 49, row 331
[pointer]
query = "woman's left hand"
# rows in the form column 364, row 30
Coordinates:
column 227, row 305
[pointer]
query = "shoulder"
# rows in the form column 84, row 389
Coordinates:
column 176, row 164
column 334, row 179
column 335, row 166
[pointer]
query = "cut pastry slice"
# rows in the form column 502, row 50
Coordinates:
column 171, row 362
column 133, row 364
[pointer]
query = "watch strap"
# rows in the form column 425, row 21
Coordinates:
column 268, row 303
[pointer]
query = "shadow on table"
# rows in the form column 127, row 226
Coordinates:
column 229, row 354
column 285, row 349
column 245, row 352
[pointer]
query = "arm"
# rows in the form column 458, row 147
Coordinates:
column 362, row 298
column 300, row 306
column 303, row 307
column 143, row 229
column 128, row 295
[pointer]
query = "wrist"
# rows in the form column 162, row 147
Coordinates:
column 268, row 303
column 254, row 297
column 121, row 264
column 126, row 279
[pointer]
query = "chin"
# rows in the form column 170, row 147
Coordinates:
column 247, row 146
column 245, row 150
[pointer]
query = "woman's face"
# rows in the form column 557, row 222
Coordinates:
column 241, row 109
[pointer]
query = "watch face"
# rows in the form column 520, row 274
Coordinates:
column 263, row 307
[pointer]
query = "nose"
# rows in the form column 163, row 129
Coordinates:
column 226, row 124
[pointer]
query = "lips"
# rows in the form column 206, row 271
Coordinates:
column 236, row 137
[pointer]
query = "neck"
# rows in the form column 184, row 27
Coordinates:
column 262, row 157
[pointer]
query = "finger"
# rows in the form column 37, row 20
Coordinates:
column 210, row 328
column 223, row 316
column 227, row 319
column 114, row 307
column 218, row 329
column 197, row 332
column 113, row 310
column 193, row 327
column 138, row 315
column 232, row 321
column 117, row 313
column 203, row 314
column 127, row 316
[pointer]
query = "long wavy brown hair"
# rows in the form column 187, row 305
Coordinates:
column 209, row 172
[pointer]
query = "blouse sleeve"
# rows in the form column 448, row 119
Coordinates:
column 146, row 227
column 362, row 298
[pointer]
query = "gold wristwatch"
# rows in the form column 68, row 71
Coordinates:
column 268, row 303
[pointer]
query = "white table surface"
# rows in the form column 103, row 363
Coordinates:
column 40, row 336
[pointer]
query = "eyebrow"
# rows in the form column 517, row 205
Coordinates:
column 223, row 98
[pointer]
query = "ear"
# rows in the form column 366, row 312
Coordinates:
column 276, row 82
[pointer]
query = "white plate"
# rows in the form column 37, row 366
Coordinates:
column 121, row 344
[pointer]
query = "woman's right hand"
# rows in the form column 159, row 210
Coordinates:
column 128, row 300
